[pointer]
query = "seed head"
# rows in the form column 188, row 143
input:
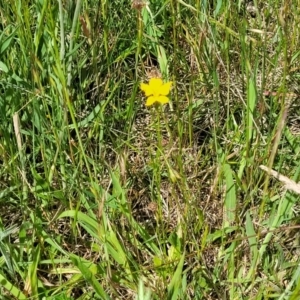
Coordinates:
column 138, row 4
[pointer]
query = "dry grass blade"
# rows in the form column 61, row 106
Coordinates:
column 289, row 184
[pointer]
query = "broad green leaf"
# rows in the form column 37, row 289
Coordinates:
column 3, row 67
column 11, row 289
column 251, row 103
column 6, row 41
column 90, row 276
column 230, row 204
column 176, row 281
column 251, row 234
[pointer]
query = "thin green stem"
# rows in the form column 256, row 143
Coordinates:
column 72, row 39
column 62, row 31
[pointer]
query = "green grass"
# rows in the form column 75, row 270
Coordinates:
column 103, row 198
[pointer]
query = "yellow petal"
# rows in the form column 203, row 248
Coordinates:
column 146, row 88
column 150, row 101
column 155, row 84
column 162, row 99
column 165, row 88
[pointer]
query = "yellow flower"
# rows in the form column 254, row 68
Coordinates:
column 156, row 91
